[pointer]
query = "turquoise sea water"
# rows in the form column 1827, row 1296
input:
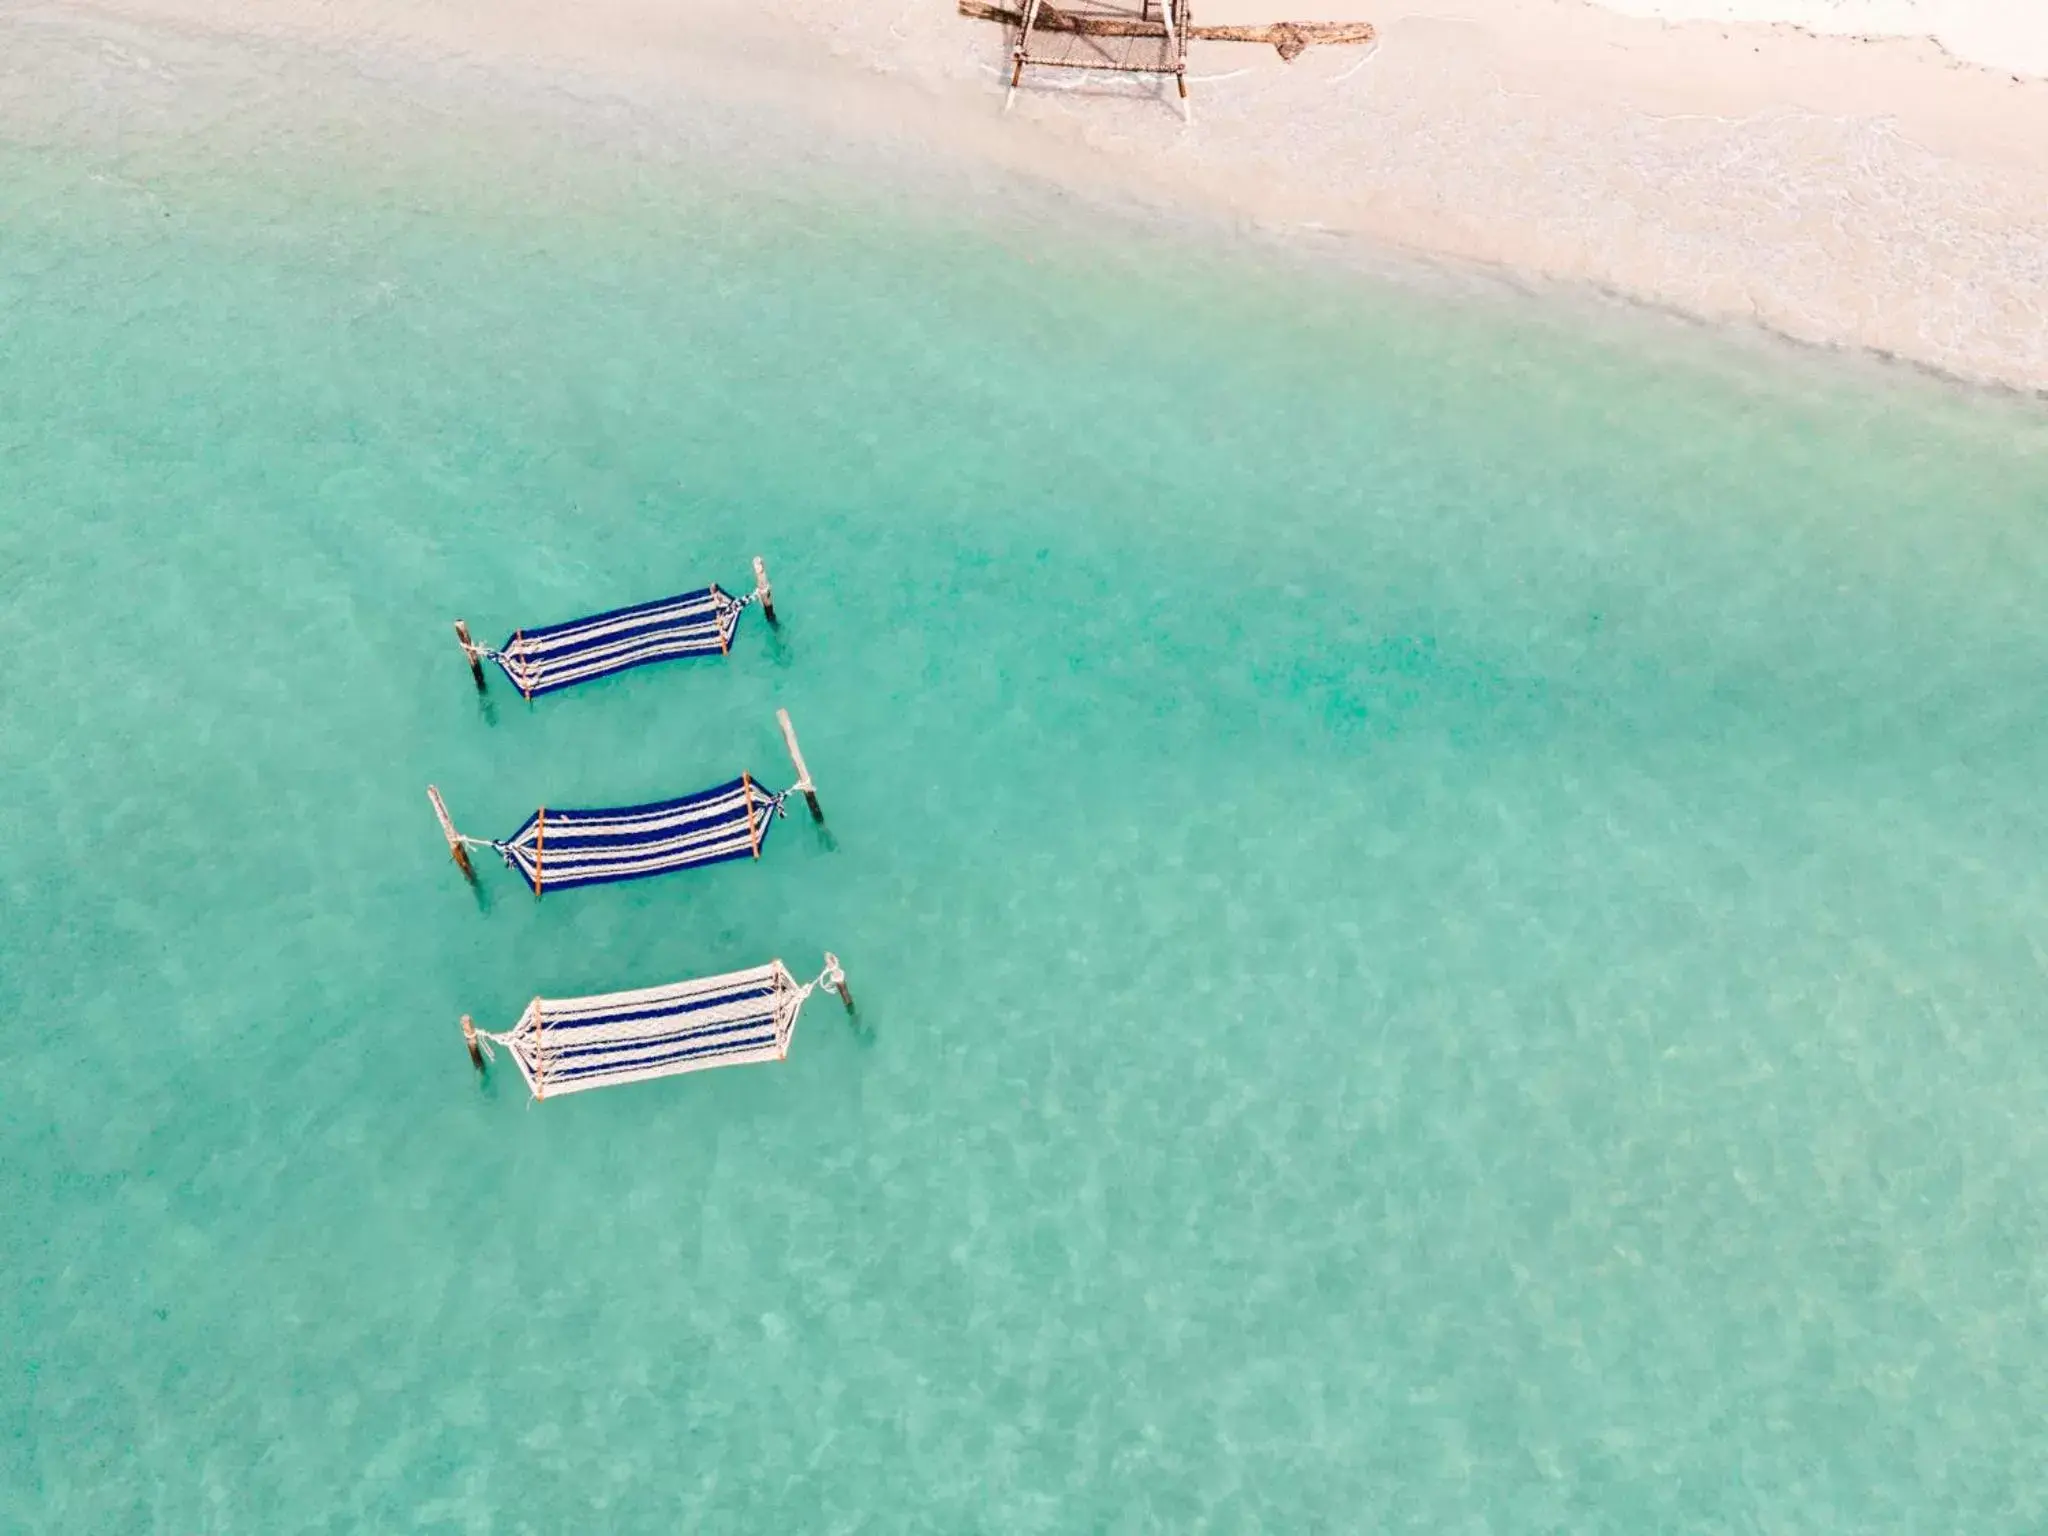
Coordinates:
column 1448, row 897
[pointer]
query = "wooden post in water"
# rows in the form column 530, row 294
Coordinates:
column 765, row 592
column 835, row 978
column 476, row 1050
column 1175, row 46
column 1028, row 16
column 456, row 847
column 476, row 665
column 796, row 758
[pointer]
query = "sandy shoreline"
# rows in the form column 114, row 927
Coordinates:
column 1876, row 195
column 1996, row 34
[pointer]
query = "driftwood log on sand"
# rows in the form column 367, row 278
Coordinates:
column 1289, row 38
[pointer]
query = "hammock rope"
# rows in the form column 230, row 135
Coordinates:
column 565, row 1045
column 699, row 623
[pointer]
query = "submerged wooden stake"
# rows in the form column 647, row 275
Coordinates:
column 476, row 1050
column 456, row 846
column 767, row 592
column 476, row 665
column 796, row 759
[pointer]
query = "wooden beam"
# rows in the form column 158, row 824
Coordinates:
column 456, row 847
column 753, row 833
column 1288, row 38
column 796, row 761
column 1291, row 39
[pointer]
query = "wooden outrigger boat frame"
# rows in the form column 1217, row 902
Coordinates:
column 1170, row 25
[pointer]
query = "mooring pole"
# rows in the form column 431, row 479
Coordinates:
column 476, row 1050
column 476, row 665
column 1027, row 19
column 796, row 758
column 765, row 592
column 835, row 978
column 1179, row 48
column 456, row 847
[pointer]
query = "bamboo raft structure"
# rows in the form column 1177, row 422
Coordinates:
column 1166, row 35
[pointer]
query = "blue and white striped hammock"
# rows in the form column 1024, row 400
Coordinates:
column 699, row 623
column 565, row 1045
column 557, row 848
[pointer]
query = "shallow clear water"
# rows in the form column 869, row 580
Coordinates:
column 1448, row 897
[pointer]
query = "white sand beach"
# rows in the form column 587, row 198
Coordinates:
column 2011, row 35
column 1727, row 159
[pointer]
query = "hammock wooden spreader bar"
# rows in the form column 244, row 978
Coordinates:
column 565, row 1045
column 557, row 848
column 699, row 623
column 1289, row 38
